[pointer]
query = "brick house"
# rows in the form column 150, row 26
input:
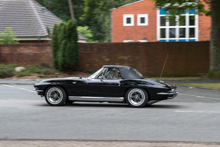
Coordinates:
column 141, row 22
column 29, row 20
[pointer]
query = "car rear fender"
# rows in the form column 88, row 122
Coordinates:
column 149, row 98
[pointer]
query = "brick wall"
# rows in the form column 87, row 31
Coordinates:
column 185, row 58
column 26, row 54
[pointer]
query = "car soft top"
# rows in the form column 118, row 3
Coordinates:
column 126, row 71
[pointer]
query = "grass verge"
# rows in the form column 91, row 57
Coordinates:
column 203, row 85
column 178, row 78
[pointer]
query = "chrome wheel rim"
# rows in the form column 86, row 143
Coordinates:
column 54, row 96
column 136, row 97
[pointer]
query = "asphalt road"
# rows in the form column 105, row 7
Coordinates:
column 192, row 116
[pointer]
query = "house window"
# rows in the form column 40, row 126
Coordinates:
column 142, row 19
column 128, row 20
column 182, row 28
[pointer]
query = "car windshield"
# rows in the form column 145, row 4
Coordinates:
column 95, row 74
column 137, row 73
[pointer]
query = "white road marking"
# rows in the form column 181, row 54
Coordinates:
column 203, row 97
column 19, row 88
column 197, row 111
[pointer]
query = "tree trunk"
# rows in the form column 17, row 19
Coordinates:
column 215, row 36
column 71, row 9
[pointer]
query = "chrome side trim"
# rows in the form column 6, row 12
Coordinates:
column 173, row 95
column 96, row 99
column 164, row 93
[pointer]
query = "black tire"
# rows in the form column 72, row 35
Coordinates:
column 136, row 97
column 55, row 96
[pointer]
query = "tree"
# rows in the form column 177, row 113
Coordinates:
column 177, row 7
column 66, row 50
column 61, row 9
column 55, row 45
column 100, row 11
column 8, row 37
column 85, row 31
column 72, row 47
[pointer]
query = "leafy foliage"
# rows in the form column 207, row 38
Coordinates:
column 40, row 69
column 65, row 45
column 214, row 74
column 100, row 11
column 93, row 13
column 7, row 70
column 8, row 37
column 178, row 7
column 85, row 31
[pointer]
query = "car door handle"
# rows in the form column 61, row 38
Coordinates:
column 74, row 82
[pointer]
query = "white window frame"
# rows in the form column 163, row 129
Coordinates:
column 177, row 27
column 125, row 16
column 126, row 41
column 142, row 41
column 139, row 19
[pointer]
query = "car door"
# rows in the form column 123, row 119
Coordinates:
column 111, row 87
column 107, row 84
column 95, row 87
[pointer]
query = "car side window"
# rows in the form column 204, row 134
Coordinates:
column 113, row 73
column 102, row 74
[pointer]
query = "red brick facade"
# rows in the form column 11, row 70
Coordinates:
column 149, row 32
column 205, row 26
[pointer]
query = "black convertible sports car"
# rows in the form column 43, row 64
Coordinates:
column 112, row 83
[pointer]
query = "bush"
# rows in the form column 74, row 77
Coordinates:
column 65, row 46
column 8, row 36
column 41, row 69
column 214, row 74
column 7, row 70
column 43, row 64
column 23, row 73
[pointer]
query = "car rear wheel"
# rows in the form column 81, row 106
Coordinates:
column 55, row 96
column 136, row 97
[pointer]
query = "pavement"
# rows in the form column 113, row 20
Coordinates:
column 19, row 82
column 191, row 119
column 37, row 143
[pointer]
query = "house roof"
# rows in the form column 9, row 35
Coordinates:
column 27, row 18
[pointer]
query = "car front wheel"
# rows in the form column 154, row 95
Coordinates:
column 136, row 97
column 55, row 96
